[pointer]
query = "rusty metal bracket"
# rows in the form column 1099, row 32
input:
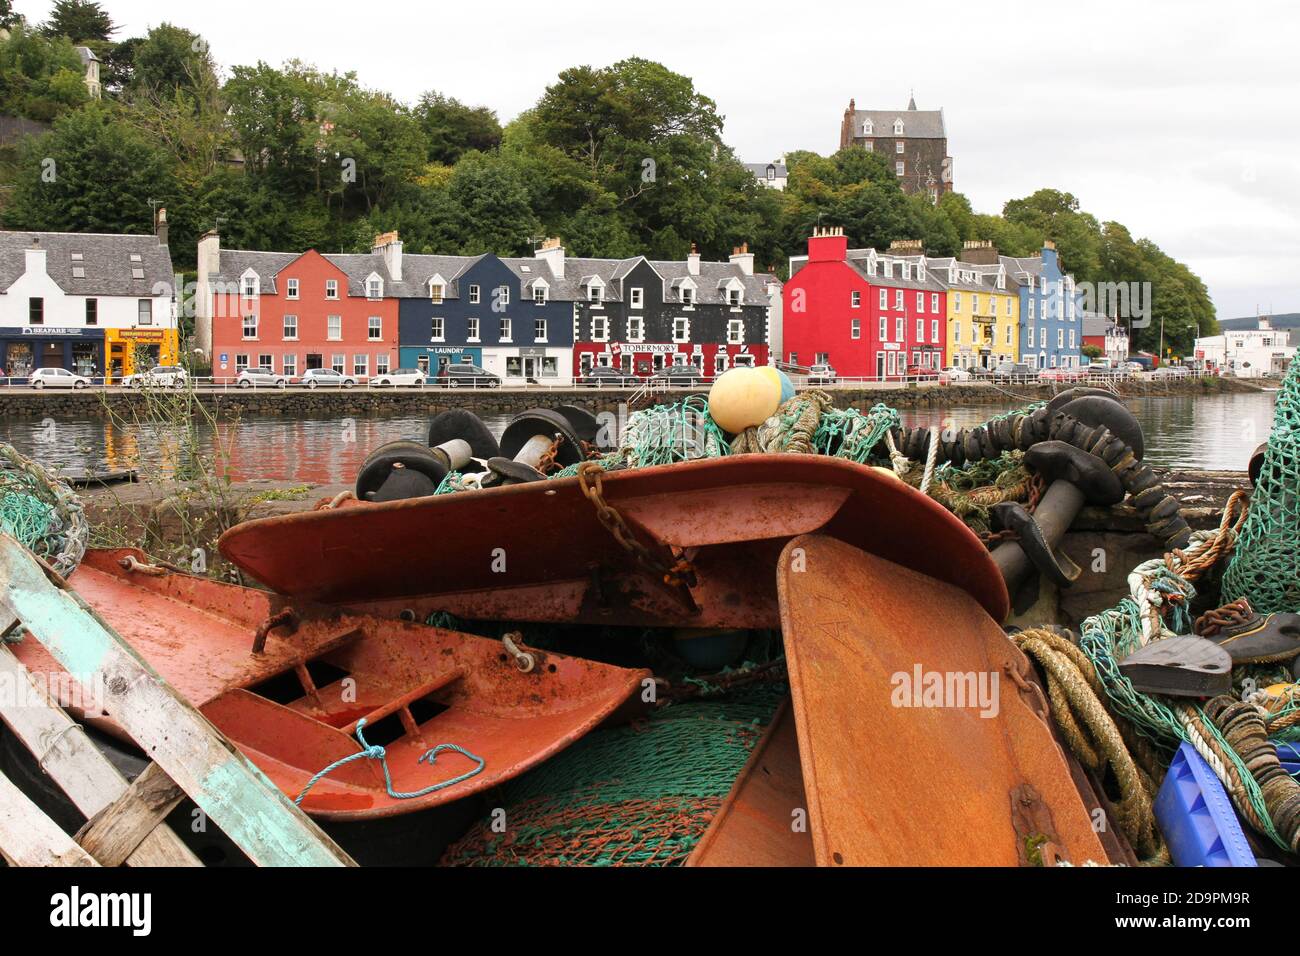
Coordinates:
column 286, row 617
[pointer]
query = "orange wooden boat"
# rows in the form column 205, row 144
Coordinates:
column 294, row 707
column 705, row 540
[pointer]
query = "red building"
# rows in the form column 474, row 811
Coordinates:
column 290, row 312
column 864, row 314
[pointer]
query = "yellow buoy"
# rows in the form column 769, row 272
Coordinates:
column 743, row 398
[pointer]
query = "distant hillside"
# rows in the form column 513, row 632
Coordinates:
column 1287, row 320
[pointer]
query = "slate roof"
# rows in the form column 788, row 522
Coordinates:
column 418, row 269
column 105, row 261
column 759, row 170
column 917, row 124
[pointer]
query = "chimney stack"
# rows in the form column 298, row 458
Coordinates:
column 741, row 256
column 160, row 225
column 906, row 247
column 980, row 252
column 693, row 261
column 828, row 244
column 389, row 245
column 552, row 253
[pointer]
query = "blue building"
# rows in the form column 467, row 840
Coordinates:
column 487, row 311
column 1051, row 311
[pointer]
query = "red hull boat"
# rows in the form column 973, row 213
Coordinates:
column 705, row 535
column 293, row 708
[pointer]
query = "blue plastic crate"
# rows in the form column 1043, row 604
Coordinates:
column 1196, row 816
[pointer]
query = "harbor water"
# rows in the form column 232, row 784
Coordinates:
column 1184, row 431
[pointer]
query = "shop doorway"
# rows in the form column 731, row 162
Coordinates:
column 51, row 355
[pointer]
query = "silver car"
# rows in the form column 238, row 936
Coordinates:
column 260, row 377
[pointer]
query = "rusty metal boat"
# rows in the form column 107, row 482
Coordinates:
column 294, row 704
column 693, row 544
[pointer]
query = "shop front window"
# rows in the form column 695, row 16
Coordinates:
column 19, row 360
column 550, row 366
column 514, row 366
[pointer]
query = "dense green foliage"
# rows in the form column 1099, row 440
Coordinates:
column 616, row 160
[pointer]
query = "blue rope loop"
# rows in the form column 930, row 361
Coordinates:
column 376, row 752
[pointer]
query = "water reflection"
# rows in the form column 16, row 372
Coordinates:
column 1214, row 432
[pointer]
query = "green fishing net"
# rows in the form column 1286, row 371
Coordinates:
column 41, row 512
column 1265, row 567
column 641, row 794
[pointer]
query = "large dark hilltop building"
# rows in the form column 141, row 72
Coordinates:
column 915, row 141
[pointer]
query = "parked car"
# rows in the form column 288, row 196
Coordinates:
column 399, row 376
column 955, row 373
column 922, row 372
column 326, row 378
column 1062, row 373
column 678, row 375
column 260, row 378
column 603, row 375
column 466, row 376
column 1012, row 372
column 159, row 375
column 821, row 375
column 56, row 378
column 1170, row 371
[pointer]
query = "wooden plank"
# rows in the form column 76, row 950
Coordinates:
column 30, row 838
column 230, row 790
column 81, row 770
column 114, row 833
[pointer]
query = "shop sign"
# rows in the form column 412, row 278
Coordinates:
column 42, row 331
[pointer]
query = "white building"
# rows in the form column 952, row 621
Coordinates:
column 91, row 303
column 1247, row 353
column 773, row 175
column 1107, row 335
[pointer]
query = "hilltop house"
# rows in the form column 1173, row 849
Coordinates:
column 914, row 141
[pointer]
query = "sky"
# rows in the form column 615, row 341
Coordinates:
column 1178, row 119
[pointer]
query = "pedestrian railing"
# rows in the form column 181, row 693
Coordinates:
column 648, row 388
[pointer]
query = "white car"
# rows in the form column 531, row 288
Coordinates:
column 325, row 377
column 955, row 374
column 1171, row 371
column 400, row 376
column 172, row 375
column 56, row 378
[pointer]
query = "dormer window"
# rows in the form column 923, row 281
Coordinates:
column 867, row 128
column 374, row 287
column 898, row 127
column 595, row 294
column 733, row 297
column 436, row 292
column 688, row 295
column 249, row 285
column 539, row 295
column 771, row 172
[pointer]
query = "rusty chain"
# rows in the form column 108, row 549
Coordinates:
column 679, row 574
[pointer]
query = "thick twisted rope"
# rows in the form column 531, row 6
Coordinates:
column 1092, row 734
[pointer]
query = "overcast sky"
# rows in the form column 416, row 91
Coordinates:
column 1178, row 119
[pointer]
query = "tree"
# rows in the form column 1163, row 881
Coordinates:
column 452, row 129
column 492, row 205
column 89, row 174
column 40, row 77
column 79, row 21
column 171, row 58
column 8, row 18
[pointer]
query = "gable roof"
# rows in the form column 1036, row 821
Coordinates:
column 105, row 258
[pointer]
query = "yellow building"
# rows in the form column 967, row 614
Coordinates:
column 983, row 313
column 131, row 350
